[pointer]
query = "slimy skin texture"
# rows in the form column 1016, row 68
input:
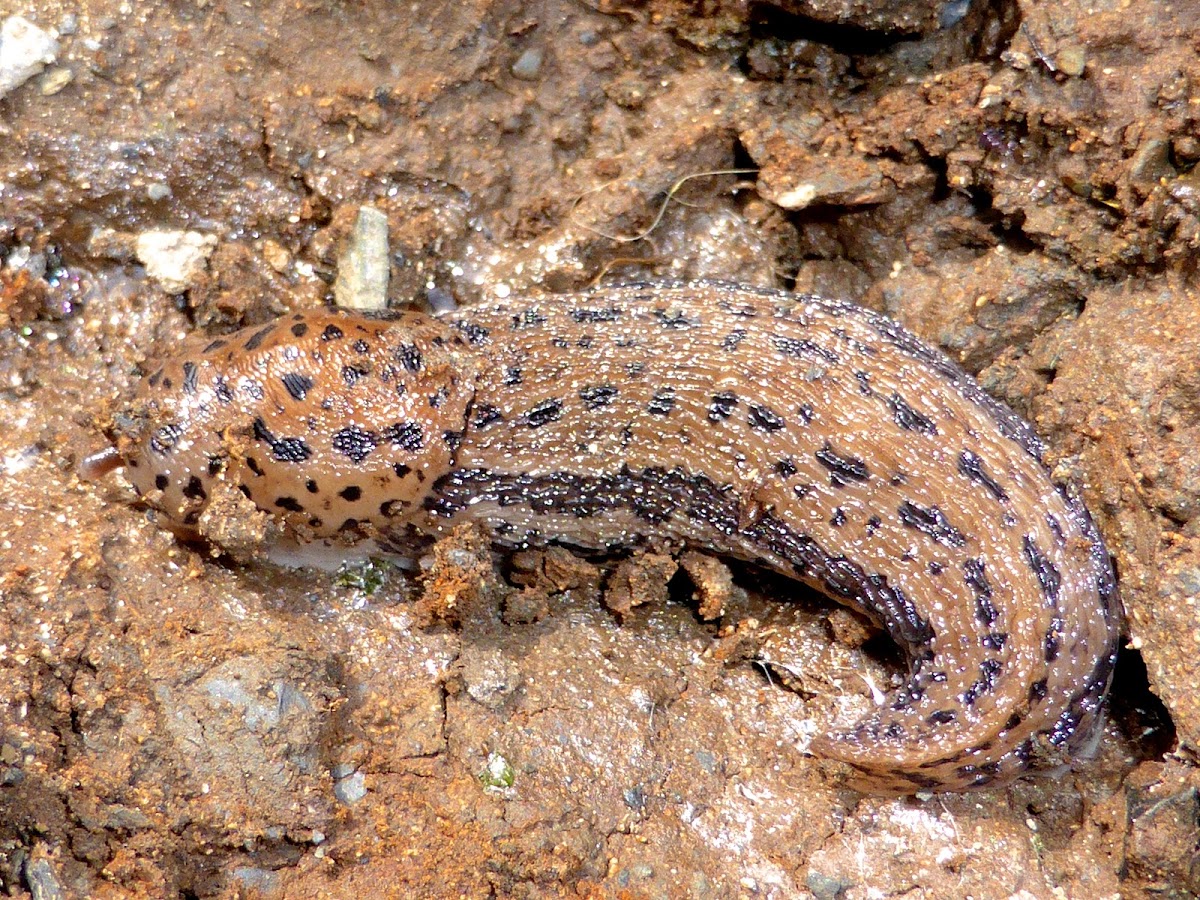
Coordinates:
column 811, row 437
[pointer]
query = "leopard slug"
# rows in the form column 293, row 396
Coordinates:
column 808, row 436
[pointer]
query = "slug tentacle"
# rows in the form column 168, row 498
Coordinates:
column 808, row 436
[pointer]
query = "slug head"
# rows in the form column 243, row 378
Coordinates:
column 335, row 425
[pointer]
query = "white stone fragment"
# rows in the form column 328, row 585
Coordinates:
column 174, row 259
column 25, row 50
column 363, row 267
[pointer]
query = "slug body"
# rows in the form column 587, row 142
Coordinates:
column 811, row 437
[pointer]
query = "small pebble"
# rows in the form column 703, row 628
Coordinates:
column 528, row 65
column 351, row 789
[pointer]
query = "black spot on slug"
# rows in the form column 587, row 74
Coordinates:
column 722, row 406
column 838, row 519
column 351, row 493
column 409, row 356
column 332, row 333
column 291, row 504
column 452, row 439
column 802, row 347
column 161, row 481
column 513, row 376
column 194, row 489
column 405, row 435
column 401, row 470
column 311, row 487
column 765, row 418
column 475, row 334
column 1037, row 691
column 662, row 402
column 597, row 396
column 354, row 443
column 942, row 717
column 300, row 329
column 352, row 375
column 222, row 390
column 785, row 468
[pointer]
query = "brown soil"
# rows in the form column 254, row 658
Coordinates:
column 1015, row 181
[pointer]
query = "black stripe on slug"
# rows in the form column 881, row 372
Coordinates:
column 864, row 383
column 589, row 316
column 257, row 338
column 405, row 435
column 1050, row 643
column 486, row 414
column 676, row 319
column 291, row 504
column 194, row 489
column 971, row 466
column 189, row 377
column 989, row 671
column 283, row 449
column 452, row 439
column 932, row 522
column 786, row 467
column 598, row 396
column 214, row 346
column 994, row 641
column 222, row 389
column 908, row 418
column 662, row 402
column 722, row 406
column 475, row 334
column 764, row 418
column 544, row 413
column 354, row 443
column 976, row 580
column 164, row 439
column 838, row 519
column 942, row 717
column 1037, row 691
column 297, row 385
column 732, row 339
column 842, row 469
column 802, row 347
column 1047, row 575
column 529, row 318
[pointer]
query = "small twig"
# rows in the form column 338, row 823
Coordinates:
column 662, row 210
